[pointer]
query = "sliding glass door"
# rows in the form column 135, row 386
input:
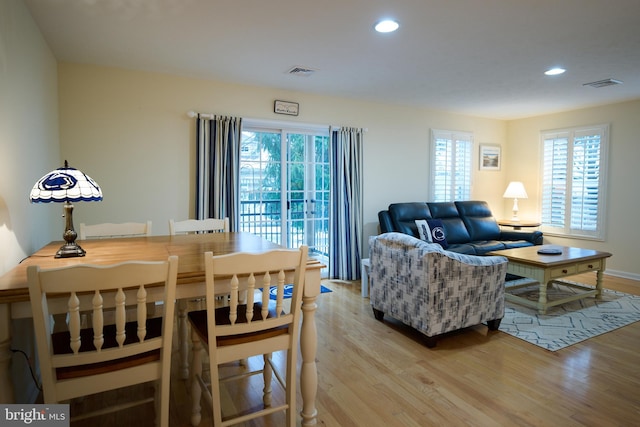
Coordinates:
column 284, row 187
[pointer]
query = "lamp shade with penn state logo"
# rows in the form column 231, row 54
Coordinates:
column 66, row 185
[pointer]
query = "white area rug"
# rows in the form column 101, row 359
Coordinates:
column 569, row 323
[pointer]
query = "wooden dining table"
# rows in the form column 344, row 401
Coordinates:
column 190, row 249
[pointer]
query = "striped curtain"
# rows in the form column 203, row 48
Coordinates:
column 346, row 204
column 218, row 168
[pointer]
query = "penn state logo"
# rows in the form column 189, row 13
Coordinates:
column 437, row 233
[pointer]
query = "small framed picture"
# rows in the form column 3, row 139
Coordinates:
column 286, row 107
column 490, row 157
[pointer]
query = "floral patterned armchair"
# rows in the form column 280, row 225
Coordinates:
column 433, row 290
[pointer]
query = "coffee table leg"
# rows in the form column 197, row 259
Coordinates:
column 542, row 298
column 599, row 275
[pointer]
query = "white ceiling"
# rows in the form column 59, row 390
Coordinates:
column 477, row 57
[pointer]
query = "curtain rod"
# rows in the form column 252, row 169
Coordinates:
column 193, row 114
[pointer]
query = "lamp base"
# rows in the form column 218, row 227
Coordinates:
column 70, row 250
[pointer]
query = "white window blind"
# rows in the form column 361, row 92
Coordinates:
column 573, row 181
column 451, row 165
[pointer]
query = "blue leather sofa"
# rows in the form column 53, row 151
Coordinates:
column 469, row 226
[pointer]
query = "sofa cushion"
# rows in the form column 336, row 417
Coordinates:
column 483, row 246
column 443, row 210
column 482, row 228
column 462, row 248
column 478, row 220
column 404, row 216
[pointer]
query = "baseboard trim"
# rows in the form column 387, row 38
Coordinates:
column 623, row 274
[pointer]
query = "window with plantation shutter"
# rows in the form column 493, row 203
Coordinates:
column 574, row 172
column 451, row 165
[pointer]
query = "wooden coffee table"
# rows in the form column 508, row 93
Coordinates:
column 548, row 269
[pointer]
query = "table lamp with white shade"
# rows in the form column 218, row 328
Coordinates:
column 66, row 185
column 515, row 190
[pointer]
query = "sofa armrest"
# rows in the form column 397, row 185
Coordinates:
column 386, row 225
column 534, row 237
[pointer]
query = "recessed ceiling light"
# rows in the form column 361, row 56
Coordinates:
column 386, row 26
column 555, row 71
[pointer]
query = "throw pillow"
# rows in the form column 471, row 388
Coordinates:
column 423, row 230
column 436, row 231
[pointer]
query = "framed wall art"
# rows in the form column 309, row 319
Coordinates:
column 286, row 107
column 490, row 157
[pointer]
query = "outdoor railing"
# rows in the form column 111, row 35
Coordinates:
column 264, row 218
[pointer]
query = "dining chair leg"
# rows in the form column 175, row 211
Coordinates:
column 158, row 393
column 267, row 374
column 196, row 391
column 183, row 338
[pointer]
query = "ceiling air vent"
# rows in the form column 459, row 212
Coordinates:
column 603, row 83
column 301, row 71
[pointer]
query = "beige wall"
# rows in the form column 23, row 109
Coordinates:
column 29, row 148
column 129, row 131
column 29, row 145
column 622, row 201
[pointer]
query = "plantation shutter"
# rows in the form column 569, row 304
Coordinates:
column 574, row 164
column 451, row 166
column 554, row 179
column 585, row 197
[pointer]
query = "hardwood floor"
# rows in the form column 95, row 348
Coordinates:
column 380, row 374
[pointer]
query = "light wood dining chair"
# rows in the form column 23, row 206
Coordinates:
column 186, row 227
column 245, row 330
column 110, row 230
column 79, row 361
column 198, row 225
